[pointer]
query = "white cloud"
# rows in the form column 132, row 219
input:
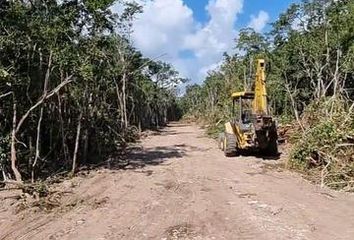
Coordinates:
column 161, row 28
column 217, row 36
column 168, row 27
column 259, row 22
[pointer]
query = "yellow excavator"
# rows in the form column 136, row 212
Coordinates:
column 252, row 127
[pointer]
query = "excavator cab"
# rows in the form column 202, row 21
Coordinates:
column 251, row 127
column 242, row 107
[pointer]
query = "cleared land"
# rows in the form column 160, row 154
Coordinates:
column 180, row 186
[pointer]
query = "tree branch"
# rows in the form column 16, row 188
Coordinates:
column 41, row 100
column 5, row 94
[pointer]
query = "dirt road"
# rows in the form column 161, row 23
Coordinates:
column 180, row 186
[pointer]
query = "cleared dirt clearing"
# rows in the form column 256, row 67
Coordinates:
column 182, row 187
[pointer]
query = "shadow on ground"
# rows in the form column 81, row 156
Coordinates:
column 139, row 157
column 168, row 132
column 257, row 154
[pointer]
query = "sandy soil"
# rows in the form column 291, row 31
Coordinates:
column 180, row 186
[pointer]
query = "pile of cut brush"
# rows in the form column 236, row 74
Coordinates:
column 323, row 146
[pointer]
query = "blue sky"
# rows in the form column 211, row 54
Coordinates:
column 192, row 35
column 272, row 7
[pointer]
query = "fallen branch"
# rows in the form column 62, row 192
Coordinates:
column 41, row 100
column 336, row 183
column 344, row 145
column 5, row 95
column 16, row 197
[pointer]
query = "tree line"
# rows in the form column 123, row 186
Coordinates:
column 73, row 90
column 310, row 80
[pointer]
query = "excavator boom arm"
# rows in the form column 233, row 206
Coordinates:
column 260, row 105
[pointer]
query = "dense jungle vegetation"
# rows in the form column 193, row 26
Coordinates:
column 73, row 90
column 310, row 79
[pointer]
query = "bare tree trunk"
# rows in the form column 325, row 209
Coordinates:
column 165, row 116
column 293, row 102
column 4, row 175
column 37, row 145
column 125, row 115
column 17, row 174
column 123, row 95
column 120, row 104
column 139, row 125
column 86, row 145
column 77, row 143
column 63, row 136
column 336, row 76
column 45, row 91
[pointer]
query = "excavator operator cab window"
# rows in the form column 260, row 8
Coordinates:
column 246, row 110
column 246, row 117
column 243, row 110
